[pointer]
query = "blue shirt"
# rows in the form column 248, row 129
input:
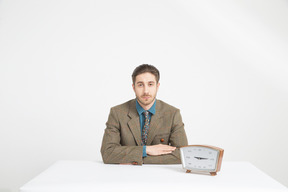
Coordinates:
column 140, row 111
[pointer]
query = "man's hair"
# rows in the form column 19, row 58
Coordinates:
column 144, row 68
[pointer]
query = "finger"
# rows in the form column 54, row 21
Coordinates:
column 166, row 152
column 168, row 148
column 163, row 146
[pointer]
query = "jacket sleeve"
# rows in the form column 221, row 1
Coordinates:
column 178, row 139
column 112, row 151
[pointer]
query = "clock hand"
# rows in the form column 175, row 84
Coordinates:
column 200, row 158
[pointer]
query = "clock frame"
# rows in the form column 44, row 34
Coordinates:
column 217, row 163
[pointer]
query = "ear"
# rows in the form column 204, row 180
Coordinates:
column 133, row 86
column 158, row 84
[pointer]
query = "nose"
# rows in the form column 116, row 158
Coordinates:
column 146, row 90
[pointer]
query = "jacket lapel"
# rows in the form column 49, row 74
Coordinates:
column 134, row 123
column 153, row 128
column 156, row 121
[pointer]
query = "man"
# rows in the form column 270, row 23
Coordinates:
column 144, row 130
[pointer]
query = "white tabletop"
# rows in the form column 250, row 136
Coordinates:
column 88, row 176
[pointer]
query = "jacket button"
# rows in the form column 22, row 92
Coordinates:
column 134, row 163
column 162, row 140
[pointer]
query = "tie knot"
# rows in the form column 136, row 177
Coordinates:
column 146, row 113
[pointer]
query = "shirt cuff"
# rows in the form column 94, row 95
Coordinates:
column 144, row 151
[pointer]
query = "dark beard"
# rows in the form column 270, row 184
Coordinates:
column 145, row 103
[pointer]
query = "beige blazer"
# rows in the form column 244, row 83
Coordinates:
column 122, row 138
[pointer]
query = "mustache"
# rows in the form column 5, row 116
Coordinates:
column 145, row 95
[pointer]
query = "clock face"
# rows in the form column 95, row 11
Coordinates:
column 199, row 158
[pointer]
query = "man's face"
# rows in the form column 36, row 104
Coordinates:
column 145, row 89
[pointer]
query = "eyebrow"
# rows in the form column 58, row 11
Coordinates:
column 143, row 82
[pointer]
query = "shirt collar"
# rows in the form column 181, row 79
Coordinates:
column 140, row 110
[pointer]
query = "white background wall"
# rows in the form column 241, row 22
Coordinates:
column 64, row 63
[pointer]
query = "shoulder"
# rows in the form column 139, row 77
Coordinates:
column 169, row 112
column 163, row 107
column 124, row 107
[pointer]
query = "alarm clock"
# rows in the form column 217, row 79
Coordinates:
column 203, row 159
